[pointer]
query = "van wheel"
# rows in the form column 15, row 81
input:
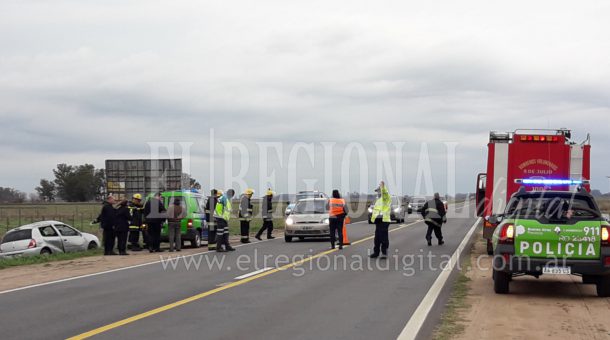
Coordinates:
column 196, row 242
column 91, row 246
column 45, row 251
column 490, row 248
column 501, row 281
column 603, row 286
column 287, row 238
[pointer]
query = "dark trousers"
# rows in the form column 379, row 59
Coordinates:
column 134, row 237
column 433, row 226
column 382, row 239
column 267, row 225
column 108, row 241
column 212, row 235
column 222, row 234
column 154, row 234
column 121, row 237
column 336, row 227
column 245, row 230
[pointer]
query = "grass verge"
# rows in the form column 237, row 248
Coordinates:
column 21, row 261
column 451, row 323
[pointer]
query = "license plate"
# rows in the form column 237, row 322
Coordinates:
column 557, row 270
column 307, row 228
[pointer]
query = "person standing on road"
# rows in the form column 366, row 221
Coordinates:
column 137, row 223
column 381, row 218
column 155, row 215
column 222, row 215
column 210, row 207
column 267, row 212
column 175, row 213
column 337, row 212
column 245, row 214
column 435, row 215
column 122, row 227
column 107, row 221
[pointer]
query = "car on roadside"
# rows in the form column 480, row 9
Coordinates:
column 551, row 232
column 309, row 218
column 398, row 212
column 301, row 195
column 44, row 238
column 417, row 203
column 192, row 225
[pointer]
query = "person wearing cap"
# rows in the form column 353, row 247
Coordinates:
column 136, row 210
column 245, row 214
column 222, row 215
column 381, row 217
column 107, row 219
column 267, row 212
column 434, row 214
column 155, row 216
column 175, row 213
column 210, row 207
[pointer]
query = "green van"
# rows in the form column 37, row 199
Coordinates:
column 193, row 224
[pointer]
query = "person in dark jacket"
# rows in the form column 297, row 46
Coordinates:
column 107, row 221
column 137, row 226
column 123, row 220
column 210, row 206
column 267, row 212
column 434, row 214
column 155, row 215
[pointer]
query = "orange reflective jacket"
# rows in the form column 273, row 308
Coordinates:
column 337, row 207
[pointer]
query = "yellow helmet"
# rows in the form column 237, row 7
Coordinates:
column 269, row 192
column 219, row 192
column 137, row 196
column 249, row 192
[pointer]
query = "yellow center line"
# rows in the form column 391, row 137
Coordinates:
column 200, row 296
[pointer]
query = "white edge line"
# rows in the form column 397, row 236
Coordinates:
column 117, row 269
column 253, row 273
column 120, row 269
column 421, row 313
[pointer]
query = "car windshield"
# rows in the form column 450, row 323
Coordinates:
column 305, row 195
column 395, row 201
column 419, row 200
column 555, row 208
column 311, row 207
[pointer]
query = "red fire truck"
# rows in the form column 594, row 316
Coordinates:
column 535, row 159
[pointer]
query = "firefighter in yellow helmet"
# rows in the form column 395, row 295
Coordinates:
column 137, row 226
column 267, row 212
column 245, row 214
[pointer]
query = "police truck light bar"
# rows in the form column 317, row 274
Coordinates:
column 551, row 182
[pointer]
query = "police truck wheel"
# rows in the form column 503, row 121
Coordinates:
column 501, row 281
column 603, row 286
column 196, row 242
column 287, row 238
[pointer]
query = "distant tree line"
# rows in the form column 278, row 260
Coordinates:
column 10, row 195
column 73, row 183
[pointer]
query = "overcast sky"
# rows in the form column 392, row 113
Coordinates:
column 84, row 81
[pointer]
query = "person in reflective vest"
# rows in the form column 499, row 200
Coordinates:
column 435, row 215
column 137, row 226
column 210, row 206
column 381, row 218
column 222, row 216
column 245, row 215
column 267, row 212
column 336, row 212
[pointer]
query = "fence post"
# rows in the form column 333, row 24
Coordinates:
column 19, row 216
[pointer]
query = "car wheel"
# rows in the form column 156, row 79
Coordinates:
column 45, row 251
column 92, row 245
column 196, row 242
column 603, row 286
column 490, row 248
column 501, row 281
column 287, row 238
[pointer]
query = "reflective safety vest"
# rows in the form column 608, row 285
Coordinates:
column 337, row 207
column 223, row 209
column 383, row 207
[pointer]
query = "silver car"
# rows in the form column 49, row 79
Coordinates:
column 43, row 238
column 301, row 196
column 308, row 218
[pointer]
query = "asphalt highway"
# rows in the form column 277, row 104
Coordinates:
column 264, row 290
